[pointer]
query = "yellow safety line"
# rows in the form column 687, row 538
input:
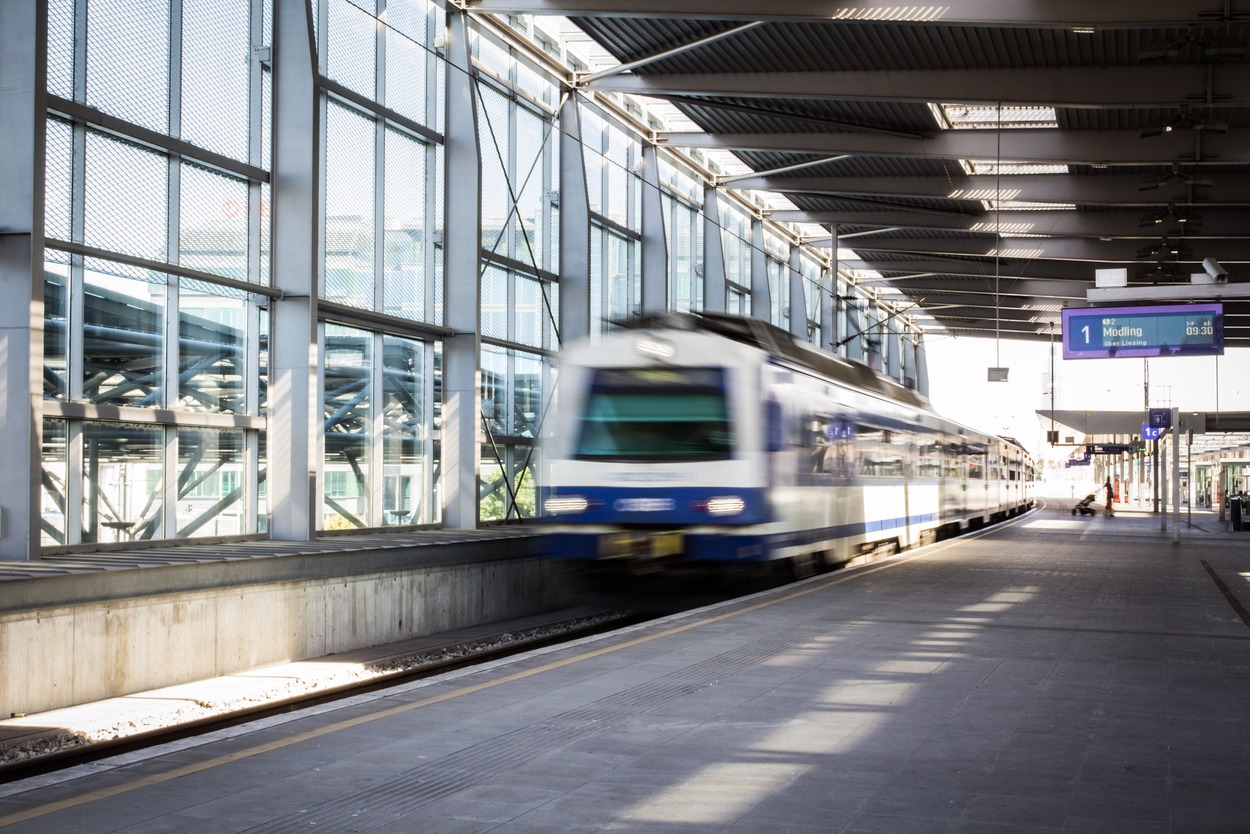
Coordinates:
column 287, row 741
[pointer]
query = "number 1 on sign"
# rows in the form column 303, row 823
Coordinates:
column 1085, row 330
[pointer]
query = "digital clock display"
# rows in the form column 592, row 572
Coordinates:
column 1171, row 330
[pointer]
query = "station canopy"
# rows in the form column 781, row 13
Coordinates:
column 980, row 160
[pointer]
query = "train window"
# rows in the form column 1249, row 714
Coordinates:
column 644, row 414
column 832, row 445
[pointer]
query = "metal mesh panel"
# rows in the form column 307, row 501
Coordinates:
column 266, row 120
column 406, row 228
column 533, row 232
column 266, row 265
column 349, row 208
column 213, row 223
column 527, row 312
column 351, row 47
column 126, row 197
column 498, row 219
column 58, row 192
column 407, row 68
column 216, row 55
column 61, row 48
column 494, row 303
column 128, row 60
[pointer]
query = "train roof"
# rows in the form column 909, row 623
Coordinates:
column 778, row 343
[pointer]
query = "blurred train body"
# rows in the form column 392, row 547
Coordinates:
column 713, row 440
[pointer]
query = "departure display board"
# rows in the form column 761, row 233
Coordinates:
column 1168, row 330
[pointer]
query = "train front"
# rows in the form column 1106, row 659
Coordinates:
column 654, row 458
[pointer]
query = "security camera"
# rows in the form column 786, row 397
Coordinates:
column 1215, row 270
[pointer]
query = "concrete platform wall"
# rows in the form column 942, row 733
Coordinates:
column 76, row 653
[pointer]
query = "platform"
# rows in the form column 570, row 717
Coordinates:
column 1054, row 673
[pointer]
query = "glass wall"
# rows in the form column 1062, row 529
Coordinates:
column 158, row 287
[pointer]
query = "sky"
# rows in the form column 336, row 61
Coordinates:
column 958, row 388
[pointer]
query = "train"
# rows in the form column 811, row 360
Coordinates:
column 707, row 441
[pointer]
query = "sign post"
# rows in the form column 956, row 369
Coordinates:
column 1176, row 477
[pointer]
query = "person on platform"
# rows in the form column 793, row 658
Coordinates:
column 1109, row 510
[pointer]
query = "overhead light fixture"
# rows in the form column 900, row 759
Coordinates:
column 1083, row 30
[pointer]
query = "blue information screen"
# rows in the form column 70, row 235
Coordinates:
column 1171, row 330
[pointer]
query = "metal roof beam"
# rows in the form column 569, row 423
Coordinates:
column 1014, row 14
column 1101, row 189
column 1121, row 225
column 1036, row 145
column 1098, row 253
column 1147, row 86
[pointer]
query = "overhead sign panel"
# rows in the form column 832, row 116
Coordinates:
column 1166, row 330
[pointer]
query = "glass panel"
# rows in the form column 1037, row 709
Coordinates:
column 55, row 479
column 656, row 415
column 126, row 198
column 405, row 433
column 123, row 341
column 123, row 482
column 213, row 220
column 495, row 391
column 348, row 426
column 210, row 483
column 128, row 61
column 349, row 208
column 216, row 55
column 527, row 394
column 55, row 331
column 211, row 368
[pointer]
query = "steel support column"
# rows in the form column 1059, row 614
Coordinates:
column 294, row 435
column 761, row 303
column 461, row 450
column 713, row 253
column 798, row 295
column 654, row 248
column 574, row 228
column 23, row 85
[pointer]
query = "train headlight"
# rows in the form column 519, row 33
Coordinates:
column 722, row 505
column 565, row 505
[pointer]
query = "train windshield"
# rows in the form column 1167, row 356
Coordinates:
column 655, row 415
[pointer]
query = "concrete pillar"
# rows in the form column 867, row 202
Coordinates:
column 761, row 303
column 798, row 296
column 713, row 253
column 294, row 434
column 654, row 247
column 23, row 85
column 462, row 352
column 574, row 228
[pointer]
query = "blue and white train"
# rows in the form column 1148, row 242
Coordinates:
column 708, row 438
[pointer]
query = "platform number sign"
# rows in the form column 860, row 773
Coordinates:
column 1149, row 432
